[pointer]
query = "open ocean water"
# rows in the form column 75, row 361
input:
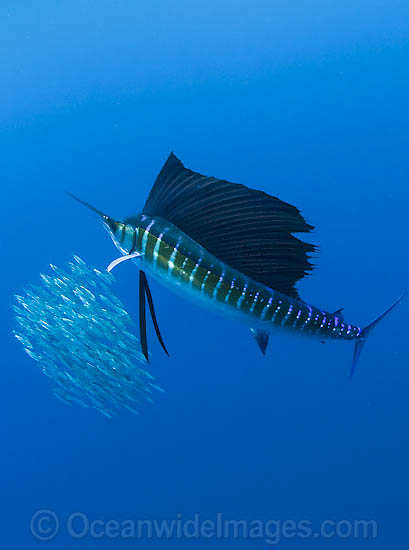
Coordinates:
column 306, row 100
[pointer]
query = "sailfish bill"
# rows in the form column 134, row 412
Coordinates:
column 231, row 247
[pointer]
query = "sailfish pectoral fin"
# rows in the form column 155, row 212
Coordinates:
column 121, row 259
column 145, row 291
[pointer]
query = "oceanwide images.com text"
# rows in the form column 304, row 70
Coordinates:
column 47, row 525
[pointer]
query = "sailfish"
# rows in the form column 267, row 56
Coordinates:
column 230, row 247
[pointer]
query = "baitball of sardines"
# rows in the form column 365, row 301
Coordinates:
column 83, row 339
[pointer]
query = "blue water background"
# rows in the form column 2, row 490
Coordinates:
column 305, row 100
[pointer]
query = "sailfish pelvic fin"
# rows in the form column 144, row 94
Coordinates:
column 145, row 291
column 142, row 318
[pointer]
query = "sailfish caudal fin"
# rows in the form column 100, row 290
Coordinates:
column 359, row 344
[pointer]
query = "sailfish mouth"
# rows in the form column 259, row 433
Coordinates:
column 144, row 290
column 112, row 224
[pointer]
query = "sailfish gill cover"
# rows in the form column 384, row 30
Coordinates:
column 83, row 339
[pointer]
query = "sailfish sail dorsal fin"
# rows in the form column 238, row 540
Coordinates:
column 249, row 230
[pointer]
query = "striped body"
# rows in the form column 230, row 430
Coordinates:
column 173, row 257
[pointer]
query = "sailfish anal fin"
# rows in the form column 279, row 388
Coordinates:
column 247, row 229
column 261, row 337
